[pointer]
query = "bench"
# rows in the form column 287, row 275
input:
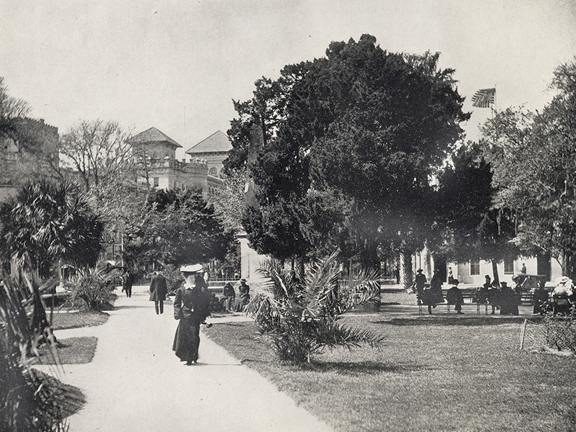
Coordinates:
column 468, row 296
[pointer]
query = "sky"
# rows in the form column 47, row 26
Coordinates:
column 178, row 64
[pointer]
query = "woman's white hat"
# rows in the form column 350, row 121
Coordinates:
column 192, row 268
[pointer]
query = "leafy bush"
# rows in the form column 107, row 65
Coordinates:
column 301, row 317
column 92, row 288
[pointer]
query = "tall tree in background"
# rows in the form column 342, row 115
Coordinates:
column 97, row 151
column 534, row 157
column 98, row 155
column 472, row 228
column 11, row 111
column 179, row 227
column 29, row 147
column 364, row 126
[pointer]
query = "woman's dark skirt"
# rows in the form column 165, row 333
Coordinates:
column 187, row 339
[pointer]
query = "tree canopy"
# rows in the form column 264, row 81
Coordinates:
column 179, row 227
column 534, row 161
column 363, row 127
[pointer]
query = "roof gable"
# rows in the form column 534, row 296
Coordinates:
column 216, row 143
column 152, row 135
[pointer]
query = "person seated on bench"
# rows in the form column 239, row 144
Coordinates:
column 509, row 300
column 436, row 287
column 229, row 295
column 540, row 299
column 454, row 297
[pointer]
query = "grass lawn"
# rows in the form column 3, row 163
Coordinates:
column 67, row 320
column 76, row 350
column 459, row 376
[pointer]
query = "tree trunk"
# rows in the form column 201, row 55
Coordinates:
column 407, row 268
column 301, row 268
column 495, row 279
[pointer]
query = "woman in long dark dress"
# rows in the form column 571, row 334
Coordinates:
column 191, row 308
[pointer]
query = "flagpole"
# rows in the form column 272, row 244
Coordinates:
column 495, row 99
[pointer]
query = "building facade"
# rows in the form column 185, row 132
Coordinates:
column 155, row 152
column 213, row 150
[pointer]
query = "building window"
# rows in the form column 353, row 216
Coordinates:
column 213, row 172
column 156, row 182
column 474, row 267
column 508, row 266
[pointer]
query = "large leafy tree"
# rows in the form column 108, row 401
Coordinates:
column 276, row 167
column 49, row 222
column 362, row 125
column 179, row 227
column 471, row 227
column 537, row 173
column 534, row 160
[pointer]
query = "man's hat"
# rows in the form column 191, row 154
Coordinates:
column 192, row 268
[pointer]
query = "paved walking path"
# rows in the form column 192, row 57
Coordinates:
column 136, row 383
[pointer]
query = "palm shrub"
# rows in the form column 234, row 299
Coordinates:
column 50, row 222
column 302, row 317
column 29, row 399
column 92, row 287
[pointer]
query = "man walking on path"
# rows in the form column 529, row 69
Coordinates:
column 158, row 290
column 133, row 371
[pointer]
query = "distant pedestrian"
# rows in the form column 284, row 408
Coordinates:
column 523, row 269
column 158, row 291
column 454, row 297
column 191, row 308
column 127, row 281
column 450, row 276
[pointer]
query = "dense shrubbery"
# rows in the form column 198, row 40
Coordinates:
column 92, row 288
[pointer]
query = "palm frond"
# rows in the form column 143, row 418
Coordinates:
column 300, row 317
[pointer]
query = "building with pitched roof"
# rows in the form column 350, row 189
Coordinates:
column 213, row 150
column 156, row 153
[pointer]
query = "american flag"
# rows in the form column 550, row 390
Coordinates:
column 483, row 98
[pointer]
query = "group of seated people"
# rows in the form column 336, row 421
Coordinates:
column 499, row 296
column 229, row 300
column 431, row 297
